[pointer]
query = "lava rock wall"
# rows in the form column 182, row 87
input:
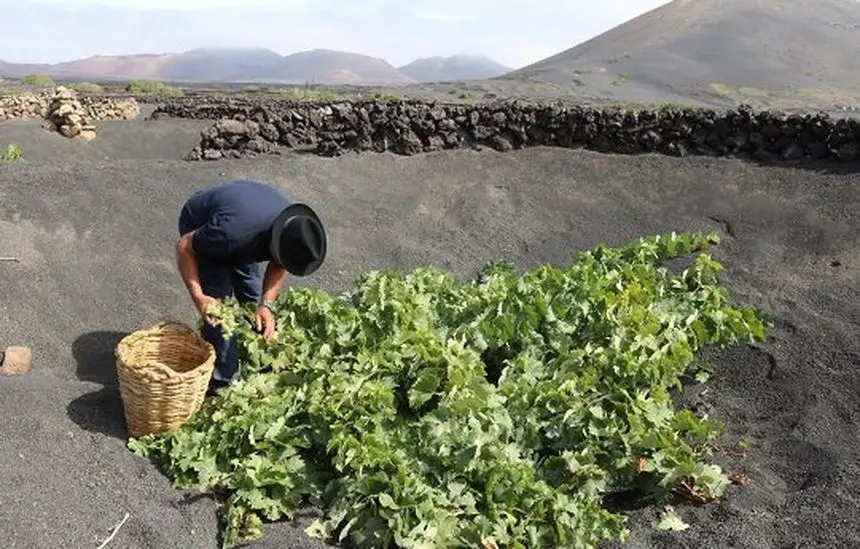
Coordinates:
column 249, row 127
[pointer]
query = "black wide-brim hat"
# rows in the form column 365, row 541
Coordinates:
column 298, row 240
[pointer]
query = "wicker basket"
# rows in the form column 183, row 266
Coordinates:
column 163, row 376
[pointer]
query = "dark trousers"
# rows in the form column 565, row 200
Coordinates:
column 221, row 279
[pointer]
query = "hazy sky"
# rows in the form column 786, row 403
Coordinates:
column 514, row 32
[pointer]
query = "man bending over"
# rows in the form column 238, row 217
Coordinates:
column 227, row 231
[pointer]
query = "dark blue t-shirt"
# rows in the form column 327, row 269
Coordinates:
column 233, row 220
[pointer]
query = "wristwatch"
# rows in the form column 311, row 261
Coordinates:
column 269, row 304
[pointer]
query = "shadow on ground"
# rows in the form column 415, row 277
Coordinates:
column 99, row 411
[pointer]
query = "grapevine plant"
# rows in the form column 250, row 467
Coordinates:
column 423, row 412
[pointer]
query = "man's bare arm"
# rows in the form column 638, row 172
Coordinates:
column 186, row 260
column 273, row 281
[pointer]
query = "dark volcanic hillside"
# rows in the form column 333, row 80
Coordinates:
column 722, row 46
column 457, row 67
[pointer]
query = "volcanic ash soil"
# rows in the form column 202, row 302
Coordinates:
column 94, row 229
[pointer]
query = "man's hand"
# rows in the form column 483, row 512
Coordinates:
column 203, row 303
column 264, row 322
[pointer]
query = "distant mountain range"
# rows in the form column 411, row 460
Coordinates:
column 255, row 65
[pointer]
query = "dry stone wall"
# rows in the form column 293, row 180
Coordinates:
column 23, row 106
column 251, row 127
column 67, row 116
column 111, row 108
column 66, row 112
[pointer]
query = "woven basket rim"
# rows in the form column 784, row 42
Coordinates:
column 165, row 326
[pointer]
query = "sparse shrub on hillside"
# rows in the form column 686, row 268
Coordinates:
column 463, row 95
column 671, row 106
column 9, row 87
column 38, row 80
column 386, row 96
column 620, row 79
column 310, row 94
column 11, row 154
column 153, row 88
column 665, row 107
column 748, row 91
column 86, row 87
